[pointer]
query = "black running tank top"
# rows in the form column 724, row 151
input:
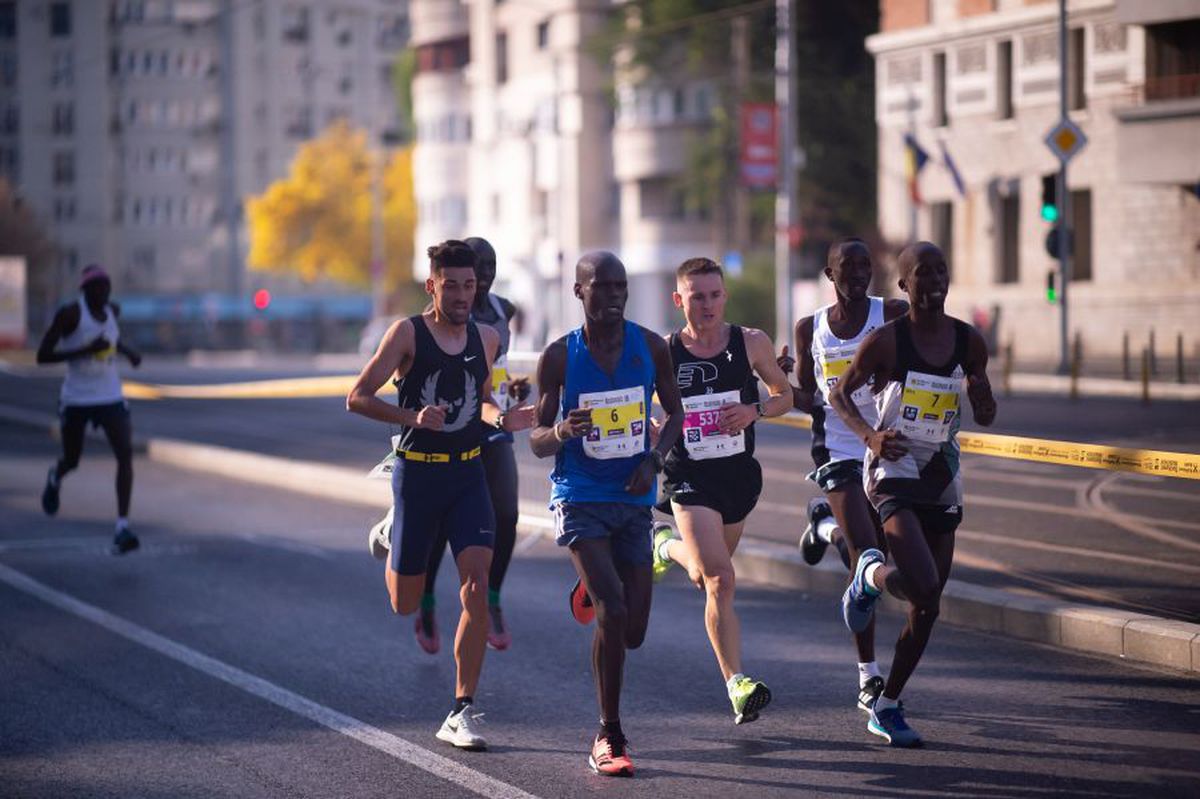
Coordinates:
column 728, row 370
column 435, row 378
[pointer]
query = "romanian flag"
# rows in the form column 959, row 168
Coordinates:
column 952, row 168
column 915, row 159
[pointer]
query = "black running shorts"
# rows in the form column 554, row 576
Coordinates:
column 729, row 486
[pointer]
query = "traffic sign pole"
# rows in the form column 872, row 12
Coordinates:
column 1064, row 196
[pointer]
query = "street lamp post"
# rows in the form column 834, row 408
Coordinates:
column 787, row 211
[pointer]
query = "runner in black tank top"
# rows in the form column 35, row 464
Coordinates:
column 918, row 364
column 712, row 480
column 443, row 362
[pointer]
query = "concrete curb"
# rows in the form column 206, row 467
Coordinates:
column 1085, row 628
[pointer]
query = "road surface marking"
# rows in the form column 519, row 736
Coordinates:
column 441, row 767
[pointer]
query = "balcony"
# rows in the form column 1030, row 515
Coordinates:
column 1160, row 125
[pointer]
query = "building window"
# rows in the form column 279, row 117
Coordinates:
column 1008, row 233
column 1004, row 80
column 660, row 198
column 501, row 58
column 62, row 70
column 8, row 20
column 298, row 123
column 1076, row 70
column 10, row 121
column 62, row 122
column 939, row 90
column 9, row 163
column 941, row 229
column 64, row 209
column 295, row 24
column 1173, row 60
column 64, row 168
column 392, row 32
column 1081, row 224
column 60, row 19
column 543, row 34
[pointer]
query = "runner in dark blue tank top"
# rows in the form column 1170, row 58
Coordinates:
column 712, row 480
column 443, row 362
column 600, row 379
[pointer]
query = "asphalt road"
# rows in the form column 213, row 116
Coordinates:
column 247, row 650
column 1119, row 540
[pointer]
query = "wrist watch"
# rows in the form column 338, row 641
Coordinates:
column 500, row 420
column 758, row 409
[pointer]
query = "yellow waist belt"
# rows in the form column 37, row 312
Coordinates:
column 437, row 457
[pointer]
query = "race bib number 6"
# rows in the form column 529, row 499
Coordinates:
column 618, row 423
column 701, row 436
column 929, row 407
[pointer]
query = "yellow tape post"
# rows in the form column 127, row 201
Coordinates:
column 1184, row 465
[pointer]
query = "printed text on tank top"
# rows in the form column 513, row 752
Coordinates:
column 833, row 352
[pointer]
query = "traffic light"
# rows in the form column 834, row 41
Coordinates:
column 1050, row 198
column 262, row 298
column 1052, row 238
column 1051, row 287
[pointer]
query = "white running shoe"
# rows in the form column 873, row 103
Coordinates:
column 461, row 730
column 379, row 540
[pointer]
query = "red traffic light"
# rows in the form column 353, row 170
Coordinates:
column 262, row 298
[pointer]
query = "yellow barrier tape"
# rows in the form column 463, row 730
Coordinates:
column 1067, row 453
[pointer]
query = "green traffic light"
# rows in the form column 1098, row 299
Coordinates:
column 1051, row 296
column 1050, row 213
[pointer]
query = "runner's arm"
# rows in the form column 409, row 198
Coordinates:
column 762, row 359
column 521, row 417
column 394, row 354
column 979, row 388
column 804, row 394
column 667, row 389
column 65, row 322
column 549, row 435
column 875, row 358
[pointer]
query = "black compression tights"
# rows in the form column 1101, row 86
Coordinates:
column 500, row 465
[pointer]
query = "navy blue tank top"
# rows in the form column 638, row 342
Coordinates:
column 437, row 378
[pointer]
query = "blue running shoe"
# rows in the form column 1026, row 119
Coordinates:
column 890, row 725
column 858, row 603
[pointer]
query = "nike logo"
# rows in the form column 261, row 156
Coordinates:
column 468, row 360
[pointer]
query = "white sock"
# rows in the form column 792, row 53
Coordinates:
column 732, row 681
column 869, row 579
column 664, row 549
column 122, row 523
column 883, row 703
column 866, row 671
column 826, row 528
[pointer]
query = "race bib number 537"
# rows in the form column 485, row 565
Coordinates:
column 618, row 423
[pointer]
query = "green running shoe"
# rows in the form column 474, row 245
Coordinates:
column 662, row 532
column 748, row 697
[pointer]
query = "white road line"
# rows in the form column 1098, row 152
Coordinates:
column 385, row 742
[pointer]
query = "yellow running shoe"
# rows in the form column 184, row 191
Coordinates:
column 662, row 532
column 748, row 697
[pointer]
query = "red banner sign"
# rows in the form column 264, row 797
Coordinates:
column 759, row 148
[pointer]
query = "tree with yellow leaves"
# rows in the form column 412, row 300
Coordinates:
column 318, row 222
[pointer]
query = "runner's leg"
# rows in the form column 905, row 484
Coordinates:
column 501, row 466
column 471, row 638
column 856, row 525
column 74, row 423
column 704, row 551
column 118, row 429
column 594, row 563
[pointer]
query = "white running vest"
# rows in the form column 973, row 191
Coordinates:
column 831, row 358
column 92, row 379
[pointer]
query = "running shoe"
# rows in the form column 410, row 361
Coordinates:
column 124, row 541
column 426, row 630
column 662, row 532
column 50, row 492
column 857, row 602
column 498, row 637
column 890, row 725
column 748, row 697
column 379, row 539
column 610, row 757
column 581, row 604
column 870, row 691
column 461, row 729
column 812, row 546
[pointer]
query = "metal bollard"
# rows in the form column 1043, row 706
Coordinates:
column 1008, row 367
column 1153, row 357
column 1179, row 357
column 1076, row 359
column 1145, row 376
column 1125, row 356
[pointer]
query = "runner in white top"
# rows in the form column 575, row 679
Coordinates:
column 827, row 342
column 85, row 335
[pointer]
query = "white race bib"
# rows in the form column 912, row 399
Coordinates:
column 701, row 436
column 928, row 407
column 618, row 423
column 500, row 380
column 383, row 470
column 835, row 361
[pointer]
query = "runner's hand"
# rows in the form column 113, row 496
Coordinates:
column 577, row 424
column 99, row 344
column 432, row 417
column 643, row 476
column 735, row 417
column 887, row 444
column 518, row 388
column 983, row 404
column 786, row 362
column 521, row 417
column 655, row 431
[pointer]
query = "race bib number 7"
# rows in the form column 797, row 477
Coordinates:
column 929, row 407
column 701, row 436
column 618, row 423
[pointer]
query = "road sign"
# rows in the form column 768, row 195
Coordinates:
column 1065, row 140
